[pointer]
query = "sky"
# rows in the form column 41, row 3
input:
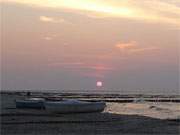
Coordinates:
column 127, row 45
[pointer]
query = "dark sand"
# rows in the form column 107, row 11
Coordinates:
column 112, row 121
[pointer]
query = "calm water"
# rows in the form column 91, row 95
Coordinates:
column 100, row 91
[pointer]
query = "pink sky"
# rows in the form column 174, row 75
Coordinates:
column 60, row 45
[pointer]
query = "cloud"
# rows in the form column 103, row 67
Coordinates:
column 145, row 49
column 129, row 45
column 66, row 64
column 81, row 65
column 134, row 47
column 88, row 70
column 100, row 67
column 48, row 38
column 94, row 75
column 154, row 11
column 51, row 19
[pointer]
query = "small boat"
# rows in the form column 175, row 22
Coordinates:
column 74, row 106
column 33, row 103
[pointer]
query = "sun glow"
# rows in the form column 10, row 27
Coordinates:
column 155, row 11
column 86, row 5
column 99, row 84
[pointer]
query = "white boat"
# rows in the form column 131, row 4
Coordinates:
column 34, row 103
column 74, row 106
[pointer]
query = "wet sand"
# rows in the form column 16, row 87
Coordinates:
column 117, row 118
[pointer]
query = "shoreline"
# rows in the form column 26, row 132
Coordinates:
column 92, row 92
column 120, row 98
column 117, row 118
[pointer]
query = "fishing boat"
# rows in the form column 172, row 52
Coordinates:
column 74, row 106
column 33, row 103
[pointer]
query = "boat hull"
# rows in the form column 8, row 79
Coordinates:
column 33, row 104
column 74, row 107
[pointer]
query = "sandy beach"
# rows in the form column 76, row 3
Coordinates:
column 118, row 118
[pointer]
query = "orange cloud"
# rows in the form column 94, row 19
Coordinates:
column 51, row 19
column 133, row 47
column 88, row 70
column 81, row 65
column 152, row 48
column 48, row 38
column 124, row 46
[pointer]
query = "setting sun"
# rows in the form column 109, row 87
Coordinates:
column 99, row 84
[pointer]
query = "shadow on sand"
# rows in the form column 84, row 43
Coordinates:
column 85, row 123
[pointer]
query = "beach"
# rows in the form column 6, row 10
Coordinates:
column 121, row 116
